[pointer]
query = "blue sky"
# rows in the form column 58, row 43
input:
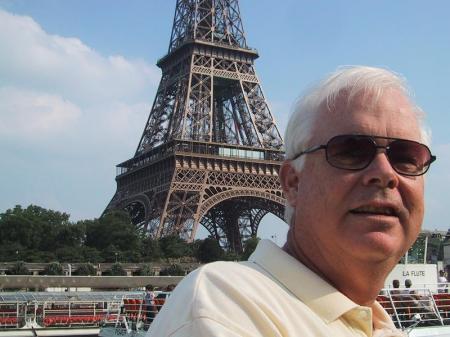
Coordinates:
column 77, row 80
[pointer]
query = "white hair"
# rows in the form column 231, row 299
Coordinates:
column 347, row 82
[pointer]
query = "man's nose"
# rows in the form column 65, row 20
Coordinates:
column 380, row 172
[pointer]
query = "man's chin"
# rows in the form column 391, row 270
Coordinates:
column 380, row 246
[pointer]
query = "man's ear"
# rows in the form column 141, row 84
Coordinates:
column 289, row 182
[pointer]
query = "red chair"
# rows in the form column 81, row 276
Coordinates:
column 443, row 304
column 139, row 308
column 49, row 320
column 134, row 308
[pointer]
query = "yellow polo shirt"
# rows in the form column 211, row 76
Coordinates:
column 270, row 295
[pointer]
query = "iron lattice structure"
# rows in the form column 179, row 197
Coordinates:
column 210, row 151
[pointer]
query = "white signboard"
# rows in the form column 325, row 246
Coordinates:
column 421, row 275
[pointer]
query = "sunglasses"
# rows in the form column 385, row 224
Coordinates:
column 356, row 152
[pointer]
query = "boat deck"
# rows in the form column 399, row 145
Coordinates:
column 69, row 313
column 418, row 311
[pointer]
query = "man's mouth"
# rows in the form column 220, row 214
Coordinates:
column 375, row 210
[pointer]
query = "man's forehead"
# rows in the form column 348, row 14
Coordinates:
column 365, row 99
column 389, row 113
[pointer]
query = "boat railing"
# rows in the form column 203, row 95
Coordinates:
column 10, row 315
column 17, row 314
column 426, row 305
column 54, row 310
column 73, row 313
column 137, row 313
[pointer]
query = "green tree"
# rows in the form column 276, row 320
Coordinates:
column 49, row 223
column 90, row 254
column 249, row 247
column 194, row 247
column 417, row 251
column 117, row 270
column 151, row 250
column 19, row 268
column 34, row 228
column 174, row 247
column 85, row 269
column 40, row 256
column 69, row 254
column 112, row 254
column 209, row 250
column 11, row 251
column 112, row 230
column 70, row 235
column 146, row 270
column 16, row 227
column 172, row 270
column 231, row 256
column 132, row 256
column 54, row 268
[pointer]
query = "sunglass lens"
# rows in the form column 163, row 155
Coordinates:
column 408, row 157
column 350, row 152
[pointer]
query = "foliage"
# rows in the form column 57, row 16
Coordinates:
column 11, row 251
column 146, row 270
column 36, row 234
column 18, row 268
column 111, row 254
column 231, row 256
column 112, row 229
column 39, row 256
column 151, row 250
column 249, row 247
column 69, row 254
column 37, row 231
column 90, row 254
column 132, row 256
column 417, row 251
column 209, row 250
column 172, row 270
column 54, row 268
column 70, row 235
column 15, row 227
column 116, row 270
column 174, row 247
column 33, row 227
column 194, row 246
column 85, row 269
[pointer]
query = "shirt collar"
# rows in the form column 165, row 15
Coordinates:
column 316, row 293
column 381, row 319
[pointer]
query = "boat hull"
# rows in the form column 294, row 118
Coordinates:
column 69, row 332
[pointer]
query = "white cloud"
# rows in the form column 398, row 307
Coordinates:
column 67, row 115
column 30, row 115
column 49, row 83
column 32, row 58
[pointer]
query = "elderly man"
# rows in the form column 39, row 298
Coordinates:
column 353, row 181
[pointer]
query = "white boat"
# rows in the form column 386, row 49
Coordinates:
column 134, row 317
column 419, row 311
column 61, row 313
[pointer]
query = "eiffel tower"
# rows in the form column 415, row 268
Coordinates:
column 210, row 151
